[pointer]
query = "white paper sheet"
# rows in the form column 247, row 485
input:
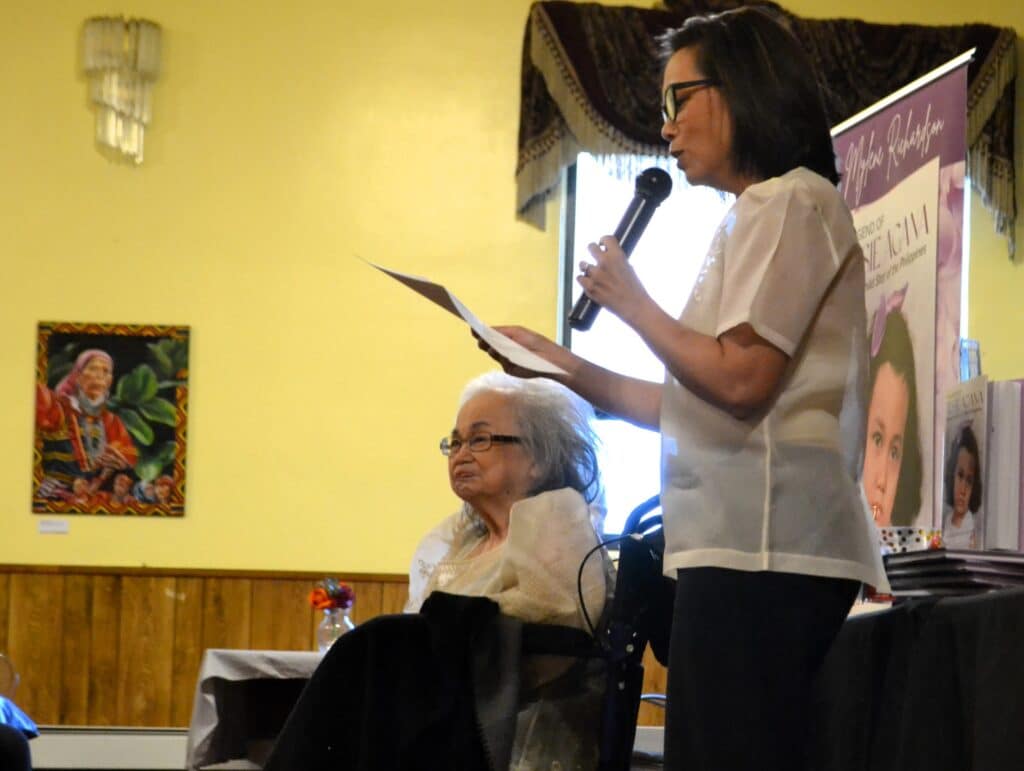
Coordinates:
column 505, row 346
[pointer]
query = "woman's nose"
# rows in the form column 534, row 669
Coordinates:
column 464, row 447
column 668, row 130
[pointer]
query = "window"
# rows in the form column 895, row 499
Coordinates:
column 667, row 260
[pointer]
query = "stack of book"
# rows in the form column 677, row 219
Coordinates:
column 984, row 446
column 953, row 571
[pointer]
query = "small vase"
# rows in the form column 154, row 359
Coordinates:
column 333, row 625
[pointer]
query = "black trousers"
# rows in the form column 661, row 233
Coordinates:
column 744, row 650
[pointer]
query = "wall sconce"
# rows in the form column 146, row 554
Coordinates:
column 122, row 59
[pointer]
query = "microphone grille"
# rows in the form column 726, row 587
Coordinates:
column 654, row 184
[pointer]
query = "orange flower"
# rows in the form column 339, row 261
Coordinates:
column 331, row 593
column 320, row 600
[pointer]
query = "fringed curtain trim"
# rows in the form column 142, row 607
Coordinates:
column 576, row 124
column 590, row 82
column 990, row 127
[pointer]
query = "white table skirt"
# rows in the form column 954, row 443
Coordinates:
column 209, row 741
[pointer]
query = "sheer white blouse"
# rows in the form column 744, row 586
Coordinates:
column 780, row 491
column 532, row 575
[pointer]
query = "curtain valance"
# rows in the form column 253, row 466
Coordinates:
column 590, row 77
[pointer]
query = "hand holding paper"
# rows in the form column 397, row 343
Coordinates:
column 502, row 345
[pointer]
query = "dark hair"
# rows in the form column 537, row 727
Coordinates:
column 964, row 440
column 897, row 351
column 768, row 82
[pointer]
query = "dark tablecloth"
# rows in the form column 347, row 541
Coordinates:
column 930, row 684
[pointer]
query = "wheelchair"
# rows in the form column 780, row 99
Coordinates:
column 638, row 614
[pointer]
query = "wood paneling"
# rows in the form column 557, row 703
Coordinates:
column 5, row 609
column 104, row 649
column 75, row 646
column 188, row 646
column 35, row 636
column 146, row 651
column 227, row 611
column 367, row 604
column 109, row 646
column 281, row 615
column 393, row 597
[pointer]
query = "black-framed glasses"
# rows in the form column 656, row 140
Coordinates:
column 671, row 103
column 481, row 442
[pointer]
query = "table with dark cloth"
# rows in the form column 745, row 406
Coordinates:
column 931, row 684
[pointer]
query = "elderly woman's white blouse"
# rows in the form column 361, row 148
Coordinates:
column 780, row 491
column 531, row 575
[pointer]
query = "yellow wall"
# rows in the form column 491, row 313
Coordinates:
column 287, row 140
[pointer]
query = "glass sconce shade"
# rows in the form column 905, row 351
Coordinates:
column 122, row 60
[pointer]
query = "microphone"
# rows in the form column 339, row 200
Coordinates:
column 652, row 187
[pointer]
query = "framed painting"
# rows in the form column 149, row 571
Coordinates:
column 110, row 426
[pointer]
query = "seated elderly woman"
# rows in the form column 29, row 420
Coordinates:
column 521, row 457
column 442, row 687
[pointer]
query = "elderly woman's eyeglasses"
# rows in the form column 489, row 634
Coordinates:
column 481, row 442
column 671, row 103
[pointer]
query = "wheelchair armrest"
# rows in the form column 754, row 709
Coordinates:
column 551, row 639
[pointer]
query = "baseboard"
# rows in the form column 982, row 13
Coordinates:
column 649, row 739
column 138, row 749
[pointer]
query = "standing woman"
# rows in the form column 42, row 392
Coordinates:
column 762, row 408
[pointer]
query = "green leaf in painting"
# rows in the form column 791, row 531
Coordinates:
column 57, row 372
column 60, row 362
column 166, row 453
column 162, row 361
column 129, row 388
column 138, row 386
column 136, row 426
column 178, row 351
column 148, row 470
column 152, row 464
column 159, row 410
column 147, row 382
column 121, row 391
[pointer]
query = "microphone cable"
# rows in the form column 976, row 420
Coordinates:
column 579, row 581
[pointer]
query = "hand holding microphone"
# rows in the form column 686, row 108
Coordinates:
column 608, row 281
column 652, row 187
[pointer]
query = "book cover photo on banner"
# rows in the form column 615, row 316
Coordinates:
column 900, row 297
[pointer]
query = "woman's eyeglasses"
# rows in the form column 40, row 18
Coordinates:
column 671, row 104
column 481, row 442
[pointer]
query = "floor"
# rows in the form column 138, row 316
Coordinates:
column 163, row 749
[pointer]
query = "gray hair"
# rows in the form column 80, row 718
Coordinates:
column 555, row 426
